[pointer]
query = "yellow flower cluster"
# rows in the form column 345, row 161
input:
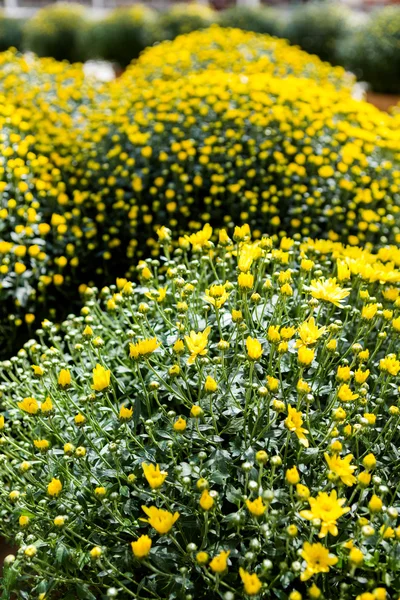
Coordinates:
column 233, row 51
column 41, row 241
column 175, row 445
column 209, row 127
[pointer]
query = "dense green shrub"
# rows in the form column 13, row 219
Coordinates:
column 185, row 18
column 228, row 429
column 318, row 28
column 10, row 33
column 122, row 35
column 56, row 31
column 259, row 20
column 374, row 52
column 247, row 126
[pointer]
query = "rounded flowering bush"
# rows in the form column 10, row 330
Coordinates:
column 226, row 428
column 282, row 154
column 54, row 233
column 43, row 240
column 234, row 51
column 248, row 129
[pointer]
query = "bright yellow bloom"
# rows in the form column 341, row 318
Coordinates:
column 202, row 558
column 162, row 520
column 206, row 500
column 141, row 548
column 246, row 281
column 254, row 348
column 286, row 290
column 180, row 425
column 309, row 333
column 342, row 468
column 314, row 592
column 287, row 332
column 292, row 476
column 302, row 491
column 273, row 334
column 210, row 384
column 23, row 521
column 294, row 422
column 248, row 253
column 318, row 560
column 145, row 273
column 306, row 264
column 154, row 476
column 196, row 411
column 370, row 417
column 237, row 316
column 87, row 332
column 305, row 356
column 356, row 556
column 256, row 507
column 390, row 365
column 101, row 378
column 178, row 347
column 369, row 461
column 343, row 373
column 328, row 290
column 29, row 405
column 343, row 271
column 328, row 508
column 361, row 376
column 64, row 378
column 143, row 348
column 380, row 593
column 96, row 552
column 303, row 387
column 241, row 232
column 41, row 444
column 331, row 345
column 30, row 551
column 252, row 584
column 46, row 406
column 223, row 238
column 38, row 371
column 345, row 394
column 272, row 383
column 364, row 478
column 201, row 238
column 217, row 295
column 387, row 532
column 369, row 311
column 159, row 296
column 197, row 344
column 125, row 413
column 396, row 324
column 375, row 504
column 54, row 488
column 164, row 234
column 219, row 563
column 19, row 268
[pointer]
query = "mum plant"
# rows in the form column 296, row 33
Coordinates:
column 225, row 428
column 247, row 127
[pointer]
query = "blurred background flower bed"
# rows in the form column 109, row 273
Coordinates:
column 246, row 129
column 366, row 43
